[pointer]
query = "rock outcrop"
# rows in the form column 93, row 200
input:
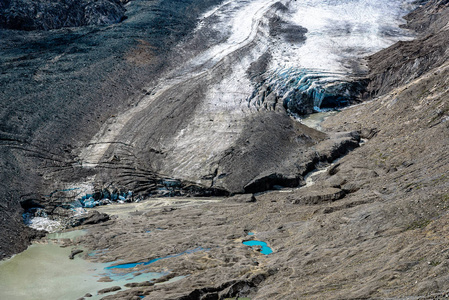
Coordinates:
column 406, row 61
column 51, row 14
column 74, row 253
column 108, row 290
column 93, row 217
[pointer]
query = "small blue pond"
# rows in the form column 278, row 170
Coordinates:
column 132, row 265
column 250, row 233
column 265, row 249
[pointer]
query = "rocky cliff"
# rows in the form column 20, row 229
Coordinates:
column 406, row 61
column 47, row 15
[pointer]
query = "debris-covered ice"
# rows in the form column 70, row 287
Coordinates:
column 42, row 223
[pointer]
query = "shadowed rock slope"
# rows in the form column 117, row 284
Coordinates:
column 48, row 14
column 58, row 87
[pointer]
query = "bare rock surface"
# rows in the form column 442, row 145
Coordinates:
column 406, row 61
column 74, row 253
column 108, row 290
column 93, row 217
column 50, row 14
column 316, row 195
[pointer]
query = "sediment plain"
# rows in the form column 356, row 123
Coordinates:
column 371, row 225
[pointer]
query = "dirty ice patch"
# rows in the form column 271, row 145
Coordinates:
column 38, row 219
column 40, row 223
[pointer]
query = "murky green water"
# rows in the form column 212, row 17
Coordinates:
column 44, row 271
column 314, row 120
column 66, row 235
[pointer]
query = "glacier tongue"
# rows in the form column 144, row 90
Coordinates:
column 236, row 75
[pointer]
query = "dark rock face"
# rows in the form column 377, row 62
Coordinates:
column 406, row 61
column 74, row 253
column 94, row 217
column 108, row 290
column 292, row 33
column 317, row 195
column 429, row 18
column 15, row 235
column 51, row 14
